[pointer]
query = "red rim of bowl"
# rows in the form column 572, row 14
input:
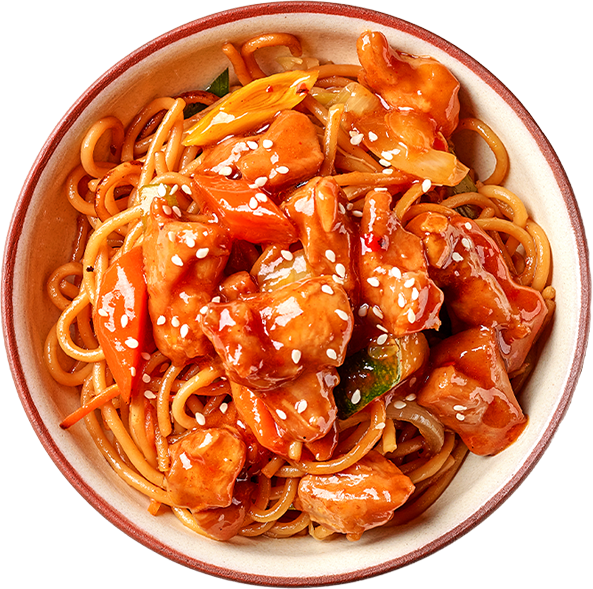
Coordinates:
column 120, row 520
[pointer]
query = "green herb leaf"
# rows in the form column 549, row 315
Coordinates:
column 220, row 87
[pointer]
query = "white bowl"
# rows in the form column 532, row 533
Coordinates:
column 42, row 229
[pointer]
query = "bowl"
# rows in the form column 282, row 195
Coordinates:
column 188, row 56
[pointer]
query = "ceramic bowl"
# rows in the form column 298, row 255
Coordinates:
column 42, row 229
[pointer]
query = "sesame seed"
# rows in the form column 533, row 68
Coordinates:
column 401, row 300
column 340, row 270
column 149, row 395
column 409, row 282
column 175, row 322
column 287, row 255
column 342, row 208
column 381, row 328
column 327, row 289
column 296, row 356
column 466, row 243
column 411, row 316
column 377, row 311
column 415, row 294
column 282, row 170
column 200, row 419
column 468, row 226
column 457, row 257
column 259, row 182
column 388, row 155
column 184, row 330
column 388, row 171
column 146, row 378
column 131, row 343
column 356, row 138
column 301, row 406
column 186, row 188
column 411, row 397
column 337, row 279
column 399, row 404
column 225, row 171
column 167, row 209
column 203, row 309
column 460, row 416
column 224, row 407
column 253, row 203
column 380, row 426
column 133, row 370
column 177, row 210
column 252, row 144
column 357, row 213
column 281, row 414
column 174, row 189
column 384, row 163
column 459, row 407
column 373, row 136
column 373, row 281
column 342, row 314
column 356, row 397
column 202, row 252
column 363, row 310
column 426, row 185
column 267, row 143
column 190, row 240
column 177, row 260
column 171, row 236
column 331, row 354
column 382, row 339
column 161, row 320
column 161, row 190
column 124, row 320
column 330, row 255
column 261, row 197
column 215, row 299
column 103, row 313
column 395, row 272
column 145, row 356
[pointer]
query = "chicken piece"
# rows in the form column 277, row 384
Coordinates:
column 183, row 262
column 223, row 523
column 408, row 82
column 304, row 408
column 359, row 498
column 268, row 339
column 468, row 266
column 237, row 285
column 393, row 271
column 326, row 231
column 204, row 467
column 468, row 389
column 288, row 153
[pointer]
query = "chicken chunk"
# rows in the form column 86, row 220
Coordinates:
column 357, row 499
column 469, row 391
column 268, row 339
column 394, row 272
column 204, row 467
column 326, row 231
column 468, row 266
column 184, row 262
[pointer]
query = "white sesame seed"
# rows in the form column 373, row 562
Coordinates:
column 331, row 354
column 466, row 243
column 415, row 294
column 330, row 255
column 282, row 170
column 202, row 252
column 200, row 419
column 190, row 241
column 382, row 339
column 184, row 330
column 411, row 316
column 133, row 370
column 426, row 185
column 171, row 236
column 411, row 397
column 224, row 407
column 252, row 144
column 203, row 309
column 253, row 203
column 167, row 209
column 281, row 414
column 177, row 210
column 342, row 208
column 215, row 299
column 384, row 163
column 146, row 378
column 356, row 138
column 337, row 279
column 373, row 281
column 267, row 143
column 145, row 356
column 460, row 416
column 399, row 404
column 363, row 310
column 161, row 190
column 395, row 272
column 161, row 320
column 124, row 320
column 356, row 397
column 177, row 260
column 103, row 312
column 457, row 257
column 388, row 171
column 342, row 314
column 377, row 311
column 341, row 270
column 149, row 395
column 380, row 426
column 259, row 182
column 401, row 300
column 186, row 188
column 373, row 136
column 381, row 328
column 225, row 171
column 388, row 155
column 357, row 213
column 287, row 255
column 409, row 282
column 459, row 407
column 174, row 189
column 175, row 322
column 327, row 289
column 296, row 356
column 301, row 406
column 261, row 197
column 131, row 343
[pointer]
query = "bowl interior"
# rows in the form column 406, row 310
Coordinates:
column 189, row 58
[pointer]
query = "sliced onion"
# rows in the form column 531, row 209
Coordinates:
column 428, row 425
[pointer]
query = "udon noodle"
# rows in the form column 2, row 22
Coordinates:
column 287, row 292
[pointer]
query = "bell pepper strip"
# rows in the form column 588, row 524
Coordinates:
column 248, row 212
column 121, row 319
column 251, row 106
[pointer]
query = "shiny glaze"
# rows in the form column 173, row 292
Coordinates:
column 468, row 389
column 468, row 266
column 361, row 497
